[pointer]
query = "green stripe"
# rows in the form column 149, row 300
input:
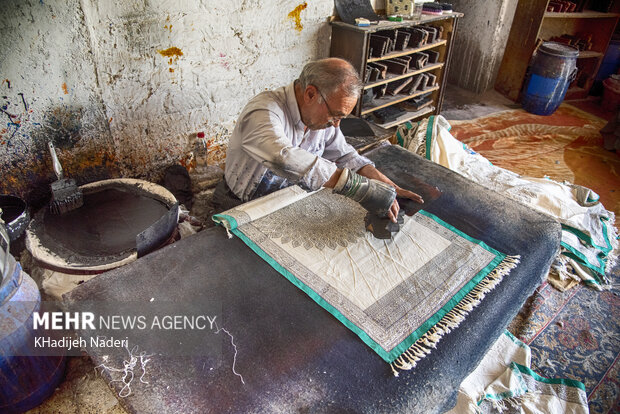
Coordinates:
column 429, row 136
column 220, row 218
column 581, row 258
column 562, row 381
column 516, row 340
column 588, row 239
column 399, row 139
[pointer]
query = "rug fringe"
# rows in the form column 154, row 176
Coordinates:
column 422, row 347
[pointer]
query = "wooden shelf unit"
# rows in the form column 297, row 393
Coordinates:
column 532, row 25
column 352, row 43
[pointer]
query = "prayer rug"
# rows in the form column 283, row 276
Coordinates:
column 400, row 296
column 574, row 334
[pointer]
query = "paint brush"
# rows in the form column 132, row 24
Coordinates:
column 66, row 195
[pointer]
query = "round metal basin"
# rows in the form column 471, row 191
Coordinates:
column 102, row 234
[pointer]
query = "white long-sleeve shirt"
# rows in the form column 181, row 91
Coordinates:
column 270, row 139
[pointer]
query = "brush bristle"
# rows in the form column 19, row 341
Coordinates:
column 76, row 200
column 66, row 196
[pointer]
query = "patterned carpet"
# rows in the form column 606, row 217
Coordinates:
column 573, row 334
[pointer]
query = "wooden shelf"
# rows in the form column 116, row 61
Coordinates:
column 408, row 51
column 353, row 44
column 388, row 25
column 389, row 100
column 585, row 54
column 407, row 117
column 403, row 76
column 580, row 15
column 533, row 23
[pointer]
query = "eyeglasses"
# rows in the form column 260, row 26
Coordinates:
column 331, row 114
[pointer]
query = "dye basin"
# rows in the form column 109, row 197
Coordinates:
column 102, row 234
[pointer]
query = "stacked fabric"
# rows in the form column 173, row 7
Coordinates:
column 432, row 8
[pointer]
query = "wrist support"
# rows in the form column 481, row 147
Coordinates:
column 375, row 196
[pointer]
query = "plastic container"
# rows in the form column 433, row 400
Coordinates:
column 611, row 61
column 26, row 380
column 416, row 10
column 611, row 93
column 400, row 8
column 552, row 69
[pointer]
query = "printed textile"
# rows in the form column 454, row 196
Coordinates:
column 503, row 382
column 399, row 295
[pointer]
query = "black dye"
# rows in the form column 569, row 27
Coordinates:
column 106, row 224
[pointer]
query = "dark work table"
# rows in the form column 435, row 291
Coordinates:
column 293, row 355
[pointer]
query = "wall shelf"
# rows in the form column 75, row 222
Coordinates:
column 532, row 25
column 353, row 44
column 580, row 15
column 408, row 117
column 389, row 100
column 408, row 51
column 404, row 76
column 588, row 54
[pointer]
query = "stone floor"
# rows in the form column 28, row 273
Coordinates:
column 460, row 104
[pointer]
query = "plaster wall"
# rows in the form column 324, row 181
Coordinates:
column 139, row 83
column 48, row 92
column 480, row 42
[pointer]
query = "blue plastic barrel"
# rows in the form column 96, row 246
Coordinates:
column 552, row 69
column 25, row 381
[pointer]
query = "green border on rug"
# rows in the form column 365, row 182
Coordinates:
column 393, row 354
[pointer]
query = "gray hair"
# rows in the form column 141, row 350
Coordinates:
column 330, row 75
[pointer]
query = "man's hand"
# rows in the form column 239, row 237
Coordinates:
column 370, row 171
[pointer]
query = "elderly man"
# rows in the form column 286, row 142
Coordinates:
column 291, row 135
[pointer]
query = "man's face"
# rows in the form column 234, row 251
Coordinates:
column 325, row 111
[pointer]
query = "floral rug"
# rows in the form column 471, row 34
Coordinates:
column 564, row 146
column 573, row 334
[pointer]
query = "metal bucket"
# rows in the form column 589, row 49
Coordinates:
column 15, row 215
column 553, row 68
column 26, row 380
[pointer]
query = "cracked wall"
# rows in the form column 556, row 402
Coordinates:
column 124, row 88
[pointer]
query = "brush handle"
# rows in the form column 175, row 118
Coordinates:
column 55, row 162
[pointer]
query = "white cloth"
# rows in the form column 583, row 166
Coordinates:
column 588, row 233
column 503, row 382
column 269, row 135
column 506, row 349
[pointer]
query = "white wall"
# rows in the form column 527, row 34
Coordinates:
column 45, row 59
column 128, row 109
column 480, row 42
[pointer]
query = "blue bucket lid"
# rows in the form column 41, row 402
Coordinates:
column 559, row 49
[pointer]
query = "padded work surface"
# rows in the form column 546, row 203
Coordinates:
column 293, row 355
